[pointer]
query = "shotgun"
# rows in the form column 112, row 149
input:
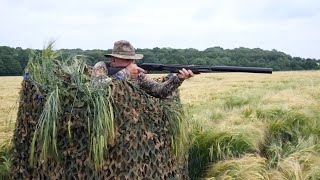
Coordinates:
column 196, row 69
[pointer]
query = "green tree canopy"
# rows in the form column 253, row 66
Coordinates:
column 14, row 60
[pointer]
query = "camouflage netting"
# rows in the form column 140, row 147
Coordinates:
column 141, row 148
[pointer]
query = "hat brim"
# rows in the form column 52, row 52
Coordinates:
column 136, row 56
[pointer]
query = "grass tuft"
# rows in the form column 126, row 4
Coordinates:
column 288, row 125
column 46, row 128
column 235, row 102
column 247, row 167
column 213, row 145
column 63, row 81
column 5, row 159
column 178, row 121
column 302, row 162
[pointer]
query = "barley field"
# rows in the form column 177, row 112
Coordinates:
column 9, row 94
column 241, row 125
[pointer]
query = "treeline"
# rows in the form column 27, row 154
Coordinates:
column 14, row 60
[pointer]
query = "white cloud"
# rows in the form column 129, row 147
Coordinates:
column 291, row 26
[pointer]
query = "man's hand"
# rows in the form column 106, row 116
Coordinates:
column 185, row 74
column 134, row 70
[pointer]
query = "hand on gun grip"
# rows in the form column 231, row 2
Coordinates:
column 185, row 74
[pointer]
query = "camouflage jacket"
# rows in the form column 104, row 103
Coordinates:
column 150, row 86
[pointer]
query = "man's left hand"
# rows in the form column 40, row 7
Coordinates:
column 185, row 74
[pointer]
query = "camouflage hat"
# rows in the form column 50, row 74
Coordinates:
column 124, row 50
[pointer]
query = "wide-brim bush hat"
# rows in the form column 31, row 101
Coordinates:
column 124, row 50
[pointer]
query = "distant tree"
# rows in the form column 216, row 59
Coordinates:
column 12, row 66
column 14, row 60
column 199, row 61
column 3, row 69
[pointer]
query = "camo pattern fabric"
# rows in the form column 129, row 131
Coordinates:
column 141, row 148
column 150, row 86
column 99, row 73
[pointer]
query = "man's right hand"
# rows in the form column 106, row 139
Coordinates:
column 134, row 70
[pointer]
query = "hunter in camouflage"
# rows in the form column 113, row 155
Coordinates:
column 123, row 55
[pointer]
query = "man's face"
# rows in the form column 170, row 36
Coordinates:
column 118, row 62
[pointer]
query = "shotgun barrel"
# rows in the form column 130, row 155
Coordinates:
column 174, row 68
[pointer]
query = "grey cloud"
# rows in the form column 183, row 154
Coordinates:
column 284, row 25
column 279, row 10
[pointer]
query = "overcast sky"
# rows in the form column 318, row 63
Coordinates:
column 290, row 26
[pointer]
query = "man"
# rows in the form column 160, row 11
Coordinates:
column 123, row 55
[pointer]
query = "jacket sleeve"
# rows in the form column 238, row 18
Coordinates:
column 159, row 89
column 150, row 86
column 123, row 73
